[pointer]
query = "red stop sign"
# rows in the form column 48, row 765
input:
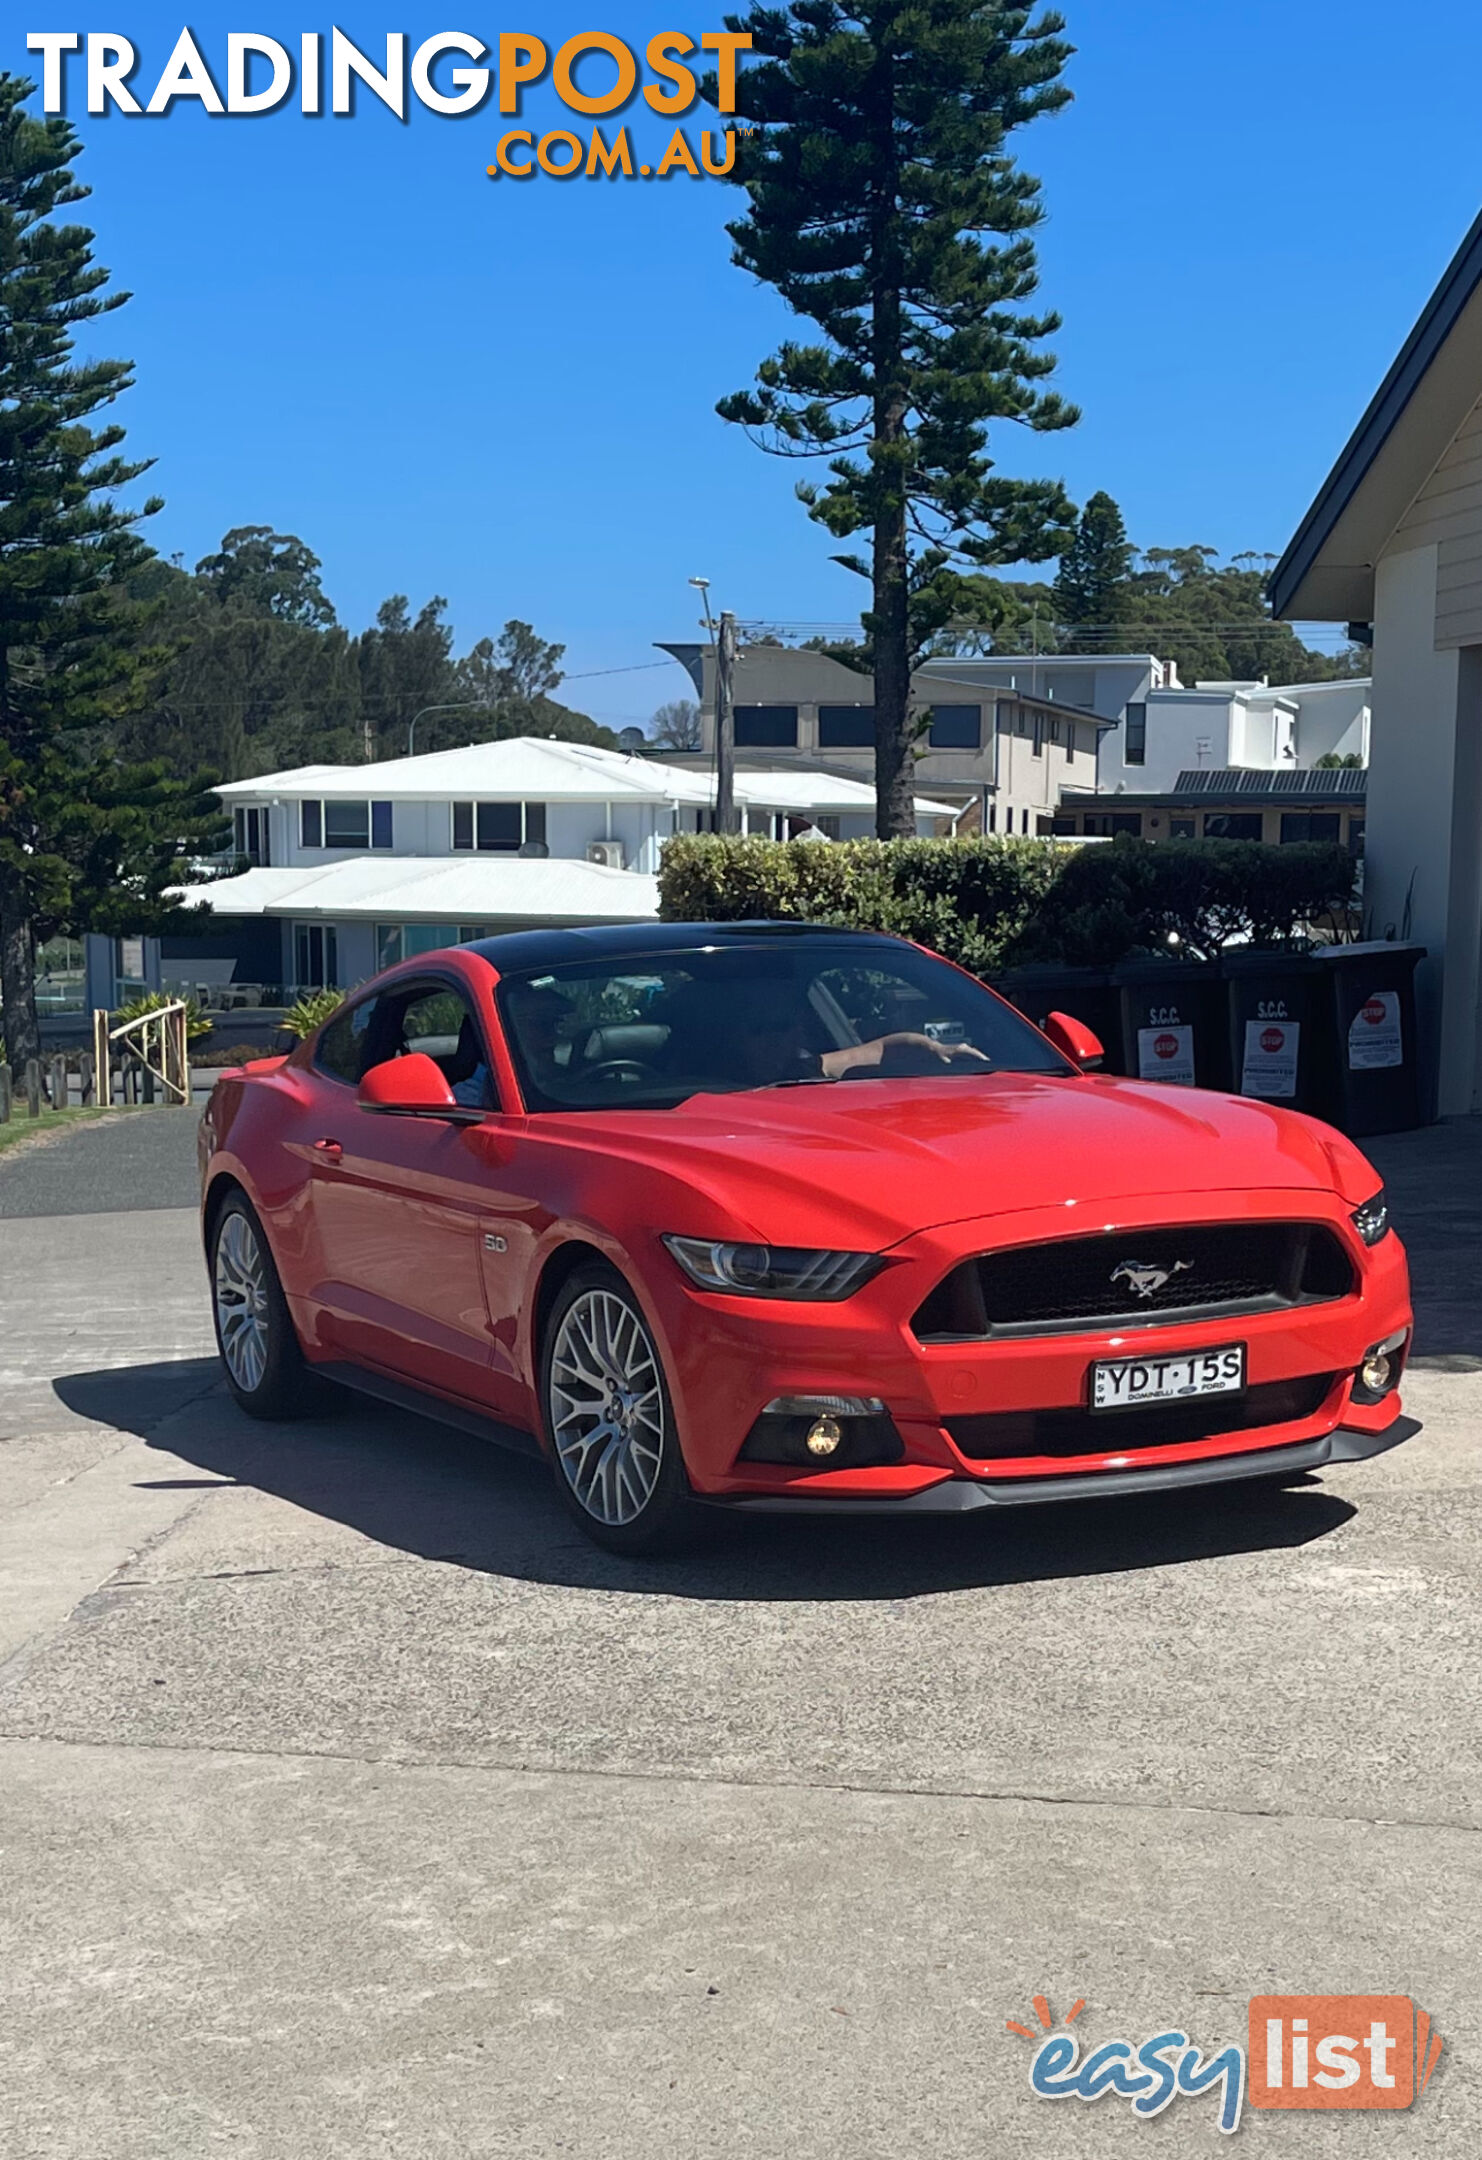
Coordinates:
column 1373, row 1012
column 1273, row 1040
column 1166, row 1046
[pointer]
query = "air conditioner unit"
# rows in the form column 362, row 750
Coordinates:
column 609, row 852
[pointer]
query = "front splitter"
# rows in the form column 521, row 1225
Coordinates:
column 962, row 1496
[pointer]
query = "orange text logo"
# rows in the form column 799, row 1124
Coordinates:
column 1339, row 2051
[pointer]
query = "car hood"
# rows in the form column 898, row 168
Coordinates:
column 891, row 1157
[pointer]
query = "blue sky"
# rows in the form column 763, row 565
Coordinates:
column 504, row 392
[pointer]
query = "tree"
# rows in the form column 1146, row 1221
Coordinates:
column 527, row 666
column 85, row 841
column 268, row 573
column 1091, row 589
column 676, row 726
column 885, row 207
column 404, row 666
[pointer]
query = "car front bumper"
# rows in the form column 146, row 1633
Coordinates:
column 727, row 1357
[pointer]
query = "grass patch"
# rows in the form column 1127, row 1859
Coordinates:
column 20, row 1127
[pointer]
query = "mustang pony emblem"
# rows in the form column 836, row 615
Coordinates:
column 1145, row 1280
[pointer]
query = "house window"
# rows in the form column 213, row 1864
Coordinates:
column 1180, row 828
column 1135, row 750
column 844, row 727
column 1309, row 825
column 1233, row 825
column 993, row 817
column 408, row 941
column 381, row 824
column 1356, row 837
column 347, row 824
column 1062, row 827
column 1039, row 734
column 336, row 824
column 498, row 828
column 315, row 956
column 1106, row 824
column 250, row 835
column 956, row 727
column 767, row 727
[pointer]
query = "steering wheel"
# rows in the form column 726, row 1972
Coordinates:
column 624, row 1071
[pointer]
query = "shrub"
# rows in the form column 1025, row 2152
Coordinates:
column 1136, row 895
column 968, row 899
column 233, row 1054
column 992, row 903
column 149, row 1001
column 312, row 1011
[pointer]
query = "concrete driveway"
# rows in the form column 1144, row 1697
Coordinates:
column 353, row 1805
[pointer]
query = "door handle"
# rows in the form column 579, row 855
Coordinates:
column 329, row 1150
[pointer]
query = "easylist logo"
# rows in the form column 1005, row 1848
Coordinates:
column 1305, row 2051
column 1339, row 2051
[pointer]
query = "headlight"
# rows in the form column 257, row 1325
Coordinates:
column 1372, row 1219
column 775, row 1271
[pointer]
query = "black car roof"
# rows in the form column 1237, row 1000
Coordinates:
column 521, row 949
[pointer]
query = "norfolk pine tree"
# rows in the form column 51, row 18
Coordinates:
column 1092, row 587
column 84, row 841
column 886, row 208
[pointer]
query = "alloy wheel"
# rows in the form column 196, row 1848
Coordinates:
column 607, row 1407
column 240, row 1282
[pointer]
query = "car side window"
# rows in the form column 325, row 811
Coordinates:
column 341, row 1047
column 436, row 1020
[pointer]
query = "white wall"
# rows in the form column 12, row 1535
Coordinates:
column 1424, row 845
column 1332, row 720
column 1177, row 722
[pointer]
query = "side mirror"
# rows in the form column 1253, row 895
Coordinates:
column 1076, row 1040
column 413, row 1086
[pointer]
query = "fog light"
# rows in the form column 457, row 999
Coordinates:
column 1380, row 1368
column 1374, row 1373
column 824, row 1435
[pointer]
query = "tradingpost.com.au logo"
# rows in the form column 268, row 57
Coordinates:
column 1305, row 2051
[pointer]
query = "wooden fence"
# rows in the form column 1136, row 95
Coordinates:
column 142, row 1061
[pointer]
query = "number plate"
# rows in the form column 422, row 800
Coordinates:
column 1128, row 1383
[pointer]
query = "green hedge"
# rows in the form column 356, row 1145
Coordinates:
column 972, row 900
column 993, row 903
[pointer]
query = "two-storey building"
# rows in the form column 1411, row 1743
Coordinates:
column 339, row 870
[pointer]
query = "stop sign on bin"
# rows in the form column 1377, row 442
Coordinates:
column 1166, row 1046
column 1272, row 1040
column 1374, row 1012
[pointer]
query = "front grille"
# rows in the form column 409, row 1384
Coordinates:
column 1123, row 1432
column 1133, row 1277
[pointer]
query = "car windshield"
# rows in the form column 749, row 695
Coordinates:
column 723, row 1018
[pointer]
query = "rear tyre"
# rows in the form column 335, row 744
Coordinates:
column 260, row 1354
column 609, row 1420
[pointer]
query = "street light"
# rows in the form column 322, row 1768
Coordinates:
column 469, row 705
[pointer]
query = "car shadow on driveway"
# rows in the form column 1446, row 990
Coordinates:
column 418, row 1487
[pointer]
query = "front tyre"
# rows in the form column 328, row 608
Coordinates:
column 260, row 1352
column 609, row 1420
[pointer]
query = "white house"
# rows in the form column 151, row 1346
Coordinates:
column 1233, row 726
column 347, row 868
column 1392, row 546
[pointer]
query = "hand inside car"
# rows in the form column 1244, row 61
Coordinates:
column 835, row 1063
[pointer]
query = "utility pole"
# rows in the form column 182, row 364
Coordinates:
column 725, row 725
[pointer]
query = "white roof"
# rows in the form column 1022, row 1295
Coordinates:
column 479, row 889
column 536, row 768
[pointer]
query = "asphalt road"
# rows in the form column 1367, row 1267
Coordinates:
column 354, row 1805
column 122, row 1163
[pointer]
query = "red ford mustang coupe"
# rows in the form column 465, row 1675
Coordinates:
column 778, row 1216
